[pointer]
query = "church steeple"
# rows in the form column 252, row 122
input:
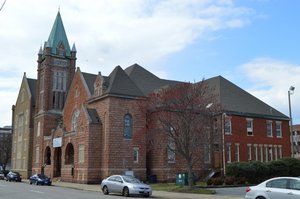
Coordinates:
column 58, row 37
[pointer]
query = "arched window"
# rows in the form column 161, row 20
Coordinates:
column 75, row 119
column 127, row 126
column 69, row 154
column 48, row 156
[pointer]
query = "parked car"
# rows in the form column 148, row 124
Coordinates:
column 125, row 185
column 275, row 188
column 13, row 176
column 40, row 179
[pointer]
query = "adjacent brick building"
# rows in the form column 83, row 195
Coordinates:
column 88, row 126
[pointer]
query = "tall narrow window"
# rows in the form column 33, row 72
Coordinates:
column 280, row 151
column 38, row 132
column 227, row 126
column 48, row 156
column 127, row 126
column 249, row 146
column 75, row 119
column 255, row 152
column 261, row 153
column 278, row 129
column 269, row 129
column 266, row 153
column 228, row 152
column 249, row 126
column 237, row 152
column 69, row 154
column 275, row 152
column 37, row 154
column 135, row 154
column 81, row 153
column 207, row 156
column 271, row 152
column 171, row 150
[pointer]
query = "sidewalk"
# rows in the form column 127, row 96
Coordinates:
column 155, row 194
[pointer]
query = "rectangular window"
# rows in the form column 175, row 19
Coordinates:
column 275, row 152
column 249, row 147
column 255, row 152
column 280, row 151
column 271, row 152
column 81, row 153
column 269, row 129
column 249, row 126
column 207, row 158
column 266, row 153
column 278, row 129
column 171, row 151
column 38, row 129
column 228, row 152
column 227, row 126
column 237, row 152
column 37, row 154
column 135, row 154
column 261, row 153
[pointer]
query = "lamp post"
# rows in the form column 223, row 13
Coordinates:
column 290, row 92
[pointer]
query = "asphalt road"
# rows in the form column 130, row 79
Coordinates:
column 231, row 191
column 17, row 190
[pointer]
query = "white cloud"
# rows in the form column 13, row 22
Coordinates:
column 110, row 32
column 271, row 80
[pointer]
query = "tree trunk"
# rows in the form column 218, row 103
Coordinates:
column 190, row 176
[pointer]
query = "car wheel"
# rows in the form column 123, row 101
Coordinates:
column 126, row 192
column 260, row 197
column 36, row 183
column 30, row 182
column 105, row 190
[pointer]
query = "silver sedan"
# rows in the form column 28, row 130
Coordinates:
column 275, row 188
column 125, row 185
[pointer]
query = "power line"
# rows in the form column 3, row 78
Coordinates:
column 2, row 5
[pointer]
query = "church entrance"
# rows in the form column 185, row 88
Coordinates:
column 57, row 162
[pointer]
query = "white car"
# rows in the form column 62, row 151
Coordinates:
column 275, row 188
column 125, row 185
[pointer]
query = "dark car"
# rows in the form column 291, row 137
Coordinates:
column 2, row 176
column 13, row 176
column 40, row 179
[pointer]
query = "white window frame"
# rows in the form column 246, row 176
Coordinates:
column 228, row 152
column 249, row 151
column 171, row 151
column 266, row 153
column 278, row 131
column 269, row 129
column 275, row 152
column 237, row 152
column 136, row 154
column 227, row 126
column 81, row 151
column 255, row 152
column 261, row 152
column 249, row 129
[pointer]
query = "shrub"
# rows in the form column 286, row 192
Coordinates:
column 229, row 180
column 217, row 181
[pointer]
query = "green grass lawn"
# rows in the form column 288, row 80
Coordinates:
column 172, row 187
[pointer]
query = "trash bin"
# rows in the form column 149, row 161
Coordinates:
column 181, row 179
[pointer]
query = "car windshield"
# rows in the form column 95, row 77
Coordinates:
column 131, row 179
column 42, row 176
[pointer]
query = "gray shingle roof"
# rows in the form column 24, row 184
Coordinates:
column 90, row 80
column 121, row 84
column 93, row 115
column 32, row 87
column 235, row 100
column 146, row 81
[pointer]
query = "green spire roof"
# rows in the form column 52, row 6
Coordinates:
column 58, row 36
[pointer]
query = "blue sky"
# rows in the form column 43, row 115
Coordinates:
column 253, row 43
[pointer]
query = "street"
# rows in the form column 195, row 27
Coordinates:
column 23, row 190
column 16, row 190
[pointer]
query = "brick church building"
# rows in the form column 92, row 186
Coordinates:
column 83, row 127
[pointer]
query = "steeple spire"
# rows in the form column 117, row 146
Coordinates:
column 58, row 36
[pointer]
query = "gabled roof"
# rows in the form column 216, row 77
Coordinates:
column 235, row 100
column 121, row 84
column 32, row 87
column 93, row 115
column 58, row 35
column 90, row 80
column 146, row 81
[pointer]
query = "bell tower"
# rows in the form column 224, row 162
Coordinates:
column 55, row 71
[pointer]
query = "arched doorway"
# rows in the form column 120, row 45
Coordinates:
column 69, row 154
column 57, row 162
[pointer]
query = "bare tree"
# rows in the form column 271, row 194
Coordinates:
column 182, row 114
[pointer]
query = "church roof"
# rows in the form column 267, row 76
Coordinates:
column 32, row 87
column 90, row 80
column 146, row 81
column 121, row 84
column 58, row 36
column 237, row 101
